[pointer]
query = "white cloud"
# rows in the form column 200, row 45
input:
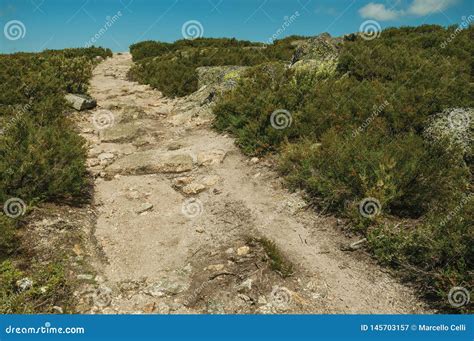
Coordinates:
column 424, row 7
column 417, row 7
column 378, row 12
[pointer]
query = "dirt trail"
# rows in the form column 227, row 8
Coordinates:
column 176, row 203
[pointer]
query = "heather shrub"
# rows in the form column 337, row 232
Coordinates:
column 41, row 155
column 50, row 288
column 390, row 122
column 42, row 160
column 8, row 237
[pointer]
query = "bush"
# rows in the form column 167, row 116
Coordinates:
column 50, row 288
column 171, row 77
column 42, row 160
column 365, row 130
column 41, row 155
column 8, row 237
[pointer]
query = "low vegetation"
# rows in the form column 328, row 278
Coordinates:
column 361, row 132
column 171, row 67
column 42, row 158
column 278, row 261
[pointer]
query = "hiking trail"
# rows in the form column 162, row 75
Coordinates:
column 179, row 211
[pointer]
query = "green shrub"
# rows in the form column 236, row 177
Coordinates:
column 42, row 160
column 50, row 288
column 399, row 173
column 41, row 155
column 359, row 131
column 173, row 78
column 8, row 237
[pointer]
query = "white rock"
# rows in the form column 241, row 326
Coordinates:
column 24, row 284
column 80, row 102
column 245, row 285
column 105, row 156
column 58, row 310
column 243, row 250
column 215, row 267
column 145, row 207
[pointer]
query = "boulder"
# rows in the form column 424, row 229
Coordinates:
column 81, row 102
column 144, row 208
column 321, row 48
column 119, row 133
column 322, row 68
column 224, row 76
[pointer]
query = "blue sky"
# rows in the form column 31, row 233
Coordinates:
column 34, row 25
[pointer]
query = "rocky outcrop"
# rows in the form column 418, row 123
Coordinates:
column 225, row 77
column 322, row 48
column 150, row 162
column 215, row 80
column 319, row 54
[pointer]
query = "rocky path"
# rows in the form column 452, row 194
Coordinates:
column 180, row 211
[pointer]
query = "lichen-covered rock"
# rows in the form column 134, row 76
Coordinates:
column 321, row 48
column 225, row 77
column 323, row 68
